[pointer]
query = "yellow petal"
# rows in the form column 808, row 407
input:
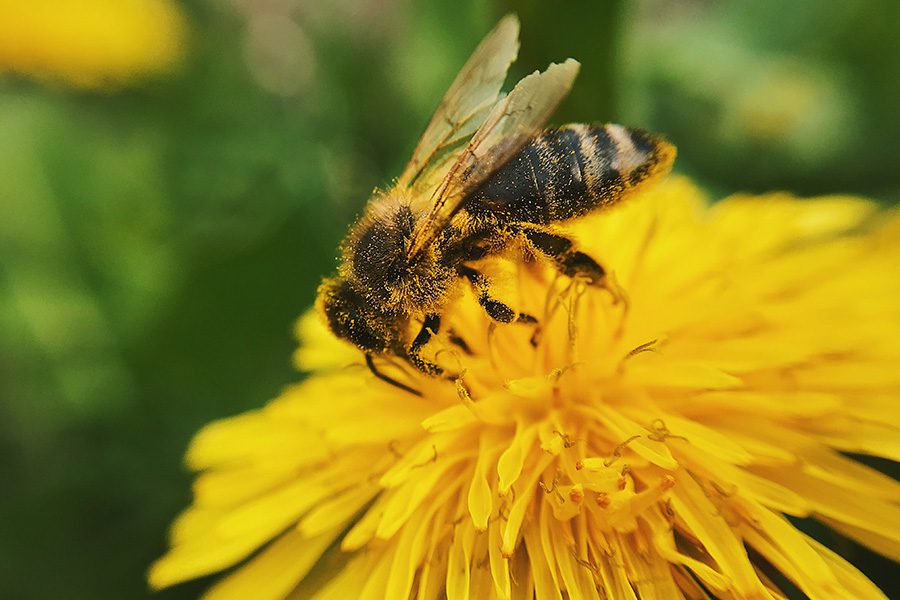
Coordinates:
column 885, row 545
column 193, row 522
column 227, row 487
column 839, row 503
column 480, row 498
column 459, row 562
column 824, row 463
column 624, row 430
column 665, row 544
column 376, row 579
column 510, row 464
column 857, row 584
column 792, row 548
column 615, row 579
column 523, row 587
column 650, row 573
column 349, row 581
column 251, row 436
column 236, row 534
column 653, row 371
column 402, row 501
column 776, row 404
column 406, row 560
column 576, row 577
column 670, row 427
column 520, row 505
column 433, row 575
column 716, row 536
column 500, row 565
column 336, row 510
column 275, row 571
column 735, row 481
column 545, row 587
column 319, row 349
column 425, row 452
column 451, row 418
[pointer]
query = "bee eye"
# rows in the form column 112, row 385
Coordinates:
column 348, row 317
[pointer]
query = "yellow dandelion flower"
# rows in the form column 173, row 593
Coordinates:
column 90, row 43
column 652, row 448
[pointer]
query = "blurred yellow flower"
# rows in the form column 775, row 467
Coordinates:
column 644, row 448
column 91, row 43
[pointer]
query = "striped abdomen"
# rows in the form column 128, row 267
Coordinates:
column 567, row 172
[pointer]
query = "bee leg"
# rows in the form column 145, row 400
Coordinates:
column 495, row 309
column 371, row 364
column 561, row 250
column 430, row 326
column 459, row 342
column 429, row 368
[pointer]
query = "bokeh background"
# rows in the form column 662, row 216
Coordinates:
column 175, row 178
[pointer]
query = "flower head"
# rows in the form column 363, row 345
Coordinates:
column 642, row 443
column 90, row 43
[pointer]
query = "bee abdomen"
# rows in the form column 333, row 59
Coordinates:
column 568, row 172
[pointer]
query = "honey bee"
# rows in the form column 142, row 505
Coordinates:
column 484, row 177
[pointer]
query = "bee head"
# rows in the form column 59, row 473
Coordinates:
column 378, row 252
column 377, row 261
column 350, row 317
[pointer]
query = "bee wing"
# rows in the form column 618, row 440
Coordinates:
column 512, row 122
column 468, row 100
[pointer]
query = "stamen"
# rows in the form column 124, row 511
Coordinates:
column 553, row 488
column 431, row 460
column 669, row 511
column 567, row 441
column 576, row 495
column 594, row 569
column 392, row 447
column 650, row 346
column 617, row 451
column 661, row 433
column 463, row 392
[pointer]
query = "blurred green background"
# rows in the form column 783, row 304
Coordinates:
column 159, row 234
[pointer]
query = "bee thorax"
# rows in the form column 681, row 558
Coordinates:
column 378, row 265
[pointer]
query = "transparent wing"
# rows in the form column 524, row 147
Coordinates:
column 511, row 123
column 465, row 105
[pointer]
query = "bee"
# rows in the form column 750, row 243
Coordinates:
column 486, row 175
